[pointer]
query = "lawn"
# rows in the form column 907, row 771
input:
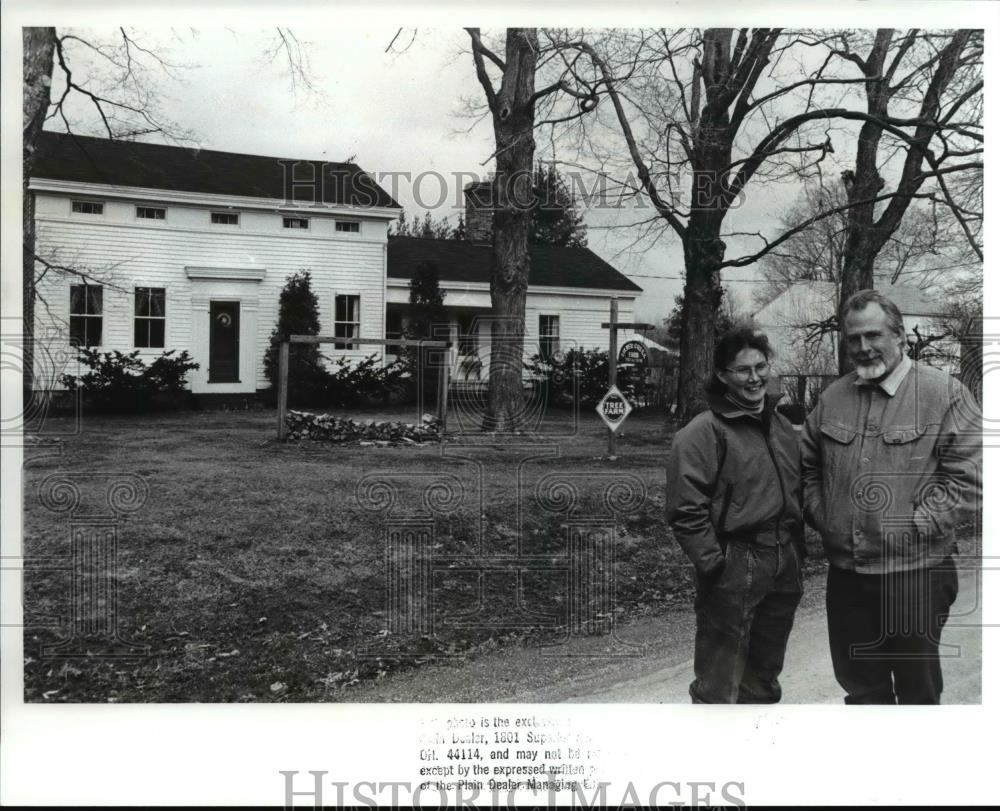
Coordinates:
column 258, row 571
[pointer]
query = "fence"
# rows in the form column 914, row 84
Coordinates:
column 350, row 343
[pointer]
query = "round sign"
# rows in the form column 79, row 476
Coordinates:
column 633, row 352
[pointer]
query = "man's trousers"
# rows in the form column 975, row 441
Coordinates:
column 885, row 630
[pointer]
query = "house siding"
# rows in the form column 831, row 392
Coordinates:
column 580, row 317
column 127, row 252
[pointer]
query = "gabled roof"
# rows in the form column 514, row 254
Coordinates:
column 551, row 265
column 82, row 159
column 809, row 301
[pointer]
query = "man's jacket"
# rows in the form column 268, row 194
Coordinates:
column 887, row 475
column 733, row 476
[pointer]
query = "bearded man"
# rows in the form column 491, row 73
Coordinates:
column 891, row 463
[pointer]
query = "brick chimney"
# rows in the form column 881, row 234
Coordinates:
column 479, row 211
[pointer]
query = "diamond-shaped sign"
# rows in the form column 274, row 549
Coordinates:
column 614, row 408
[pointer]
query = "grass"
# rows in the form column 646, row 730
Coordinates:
column 255, row 571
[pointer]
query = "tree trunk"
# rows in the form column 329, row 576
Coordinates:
column 866, row 236
column 513, row 125
column 858, row 269
column 703, row 248
column 39, row 46
column 702, row 295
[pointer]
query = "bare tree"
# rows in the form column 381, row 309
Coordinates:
column 718, row 109
column 684, row 103
column 512, row 100
column 117, row 88
column 942, row 84
column 39, row 46
column 814, row 254
column 925, row 251
column 114, row 78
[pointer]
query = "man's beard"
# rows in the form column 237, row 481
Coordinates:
column 872, row 370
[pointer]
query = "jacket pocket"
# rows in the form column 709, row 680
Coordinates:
column 837, row 433
column 901, row 436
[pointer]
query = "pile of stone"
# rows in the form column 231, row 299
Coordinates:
column 330, row 428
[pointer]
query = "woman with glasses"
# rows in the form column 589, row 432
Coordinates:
column 733, row 503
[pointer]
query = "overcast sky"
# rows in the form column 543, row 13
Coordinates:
column 407, row 110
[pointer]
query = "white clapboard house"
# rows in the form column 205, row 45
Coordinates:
column 188, row 249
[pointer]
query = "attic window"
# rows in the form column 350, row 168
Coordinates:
column 348, row 227
column 150, row 213
column 296, row 222
column 88, row 207
column 225, row 218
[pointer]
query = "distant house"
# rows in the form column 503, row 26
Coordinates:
column 792, row 317
column 188, row 249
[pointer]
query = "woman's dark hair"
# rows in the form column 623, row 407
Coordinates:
column 730, row 344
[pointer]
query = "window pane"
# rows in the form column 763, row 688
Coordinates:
column 157, row 329
column 340, row 309
column 95, row 299
column 78, row 330
column 141, row 333
column 141, row 301
column 87, row 207
column 77, row 299
column 157, row 301
column 85, row 330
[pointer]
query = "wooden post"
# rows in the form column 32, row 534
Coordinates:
column 444, row 378
column 613, row 364
column 282, row 388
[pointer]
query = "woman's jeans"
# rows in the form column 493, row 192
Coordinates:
column 743, row 621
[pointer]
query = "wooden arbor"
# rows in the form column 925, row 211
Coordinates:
column 350, row 343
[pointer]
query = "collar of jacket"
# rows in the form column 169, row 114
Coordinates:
column 725, row 408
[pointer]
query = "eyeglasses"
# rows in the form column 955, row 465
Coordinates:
column 743, row 372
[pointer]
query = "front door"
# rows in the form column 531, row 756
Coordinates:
column 224, row 342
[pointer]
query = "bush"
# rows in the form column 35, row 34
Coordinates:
column 298, row 314
column 123, row 383
column 363, row 383
column 585, row 370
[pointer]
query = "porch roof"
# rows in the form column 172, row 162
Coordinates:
column 551, row 265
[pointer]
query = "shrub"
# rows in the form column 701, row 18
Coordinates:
column 425, row 314
column 123, row 383
column 585, row 370
column 363, row 382
column 298, row 314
